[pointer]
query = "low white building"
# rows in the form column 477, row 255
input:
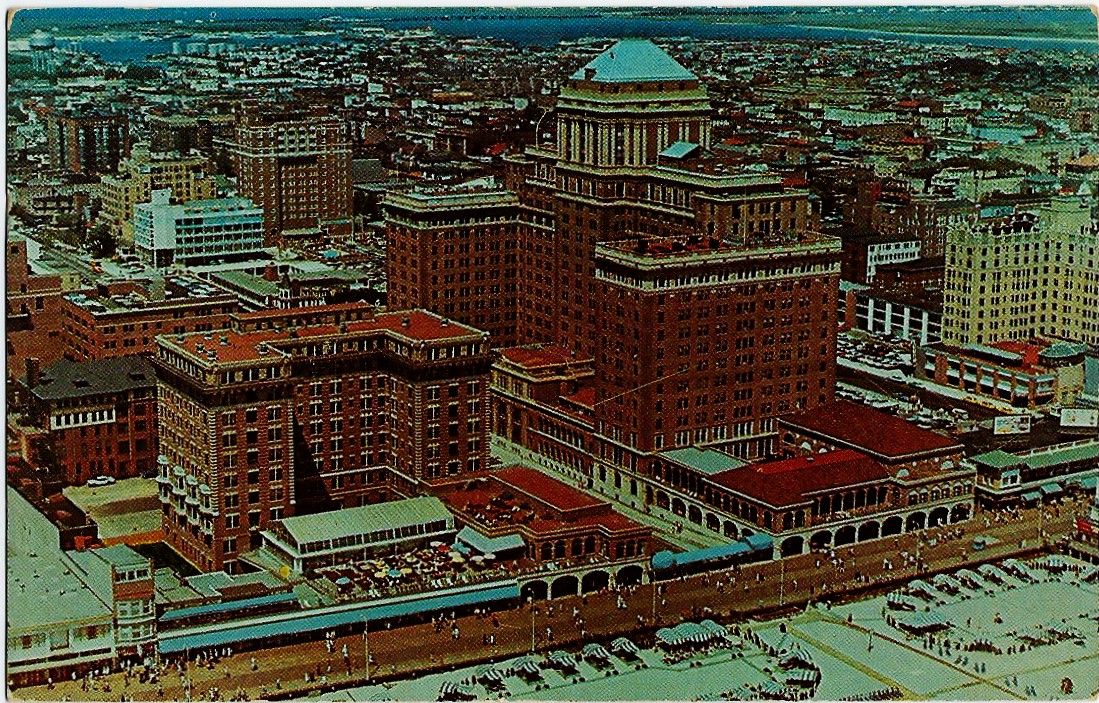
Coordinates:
column 198, row 230
column 890, row 252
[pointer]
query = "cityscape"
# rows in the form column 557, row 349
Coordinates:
column 621, row 353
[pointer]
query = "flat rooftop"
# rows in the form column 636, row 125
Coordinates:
column 868, row 430
column 236, row 346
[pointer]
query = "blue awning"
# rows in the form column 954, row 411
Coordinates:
column 328, row 620
column 1031, row 496
column 230, row 605
column 1051, row 488
column 759, row 541
column 490, row 545
column 663, row 560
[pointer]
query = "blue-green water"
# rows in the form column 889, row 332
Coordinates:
column 1032, row 28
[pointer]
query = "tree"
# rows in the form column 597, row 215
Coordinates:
column 101, row 242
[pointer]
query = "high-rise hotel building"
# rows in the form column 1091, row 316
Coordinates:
column 1032, row 274
column 303, row 411
column 296, row 166
column 697, row 288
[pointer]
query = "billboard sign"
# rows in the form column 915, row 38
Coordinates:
column 1011, row 424
column 1079, row 418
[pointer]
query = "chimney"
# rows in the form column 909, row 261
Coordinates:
column 444, row 322
column 271, row 273
column 406, row 321
column 34, row 367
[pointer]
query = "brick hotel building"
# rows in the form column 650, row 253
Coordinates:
column 296, row 166
column 641, row 251
column 293, row 412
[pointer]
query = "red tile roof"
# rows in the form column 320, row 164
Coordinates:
column 784, row 483
column 868, row 430
column 584, row 397
column 534, row 356
column 545, row 489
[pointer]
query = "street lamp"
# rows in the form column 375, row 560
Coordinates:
column 366, row 646
column 530, row 601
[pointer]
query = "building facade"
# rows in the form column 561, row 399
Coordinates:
column 1028, row 275
column 123, row 319
column 455, row 251
column 96, row 418
column 297, row 168
column 33, row 311
column 196, row 231
column 87, row 141
column 143, row 172
column 261, row 424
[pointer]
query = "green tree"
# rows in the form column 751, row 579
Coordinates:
column 101, row 242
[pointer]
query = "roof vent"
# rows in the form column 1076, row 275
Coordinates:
column 406, row 321
column 809, row 459
column 261, row 349
column 199, row 346
column 444, row 322
column 224, row 341
column 207, row 336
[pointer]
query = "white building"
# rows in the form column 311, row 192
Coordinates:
column 892, row 252
column 196, row 230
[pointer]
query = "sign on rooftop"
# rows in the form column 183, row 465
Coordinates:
column 1079, row 418
column 1011, row 424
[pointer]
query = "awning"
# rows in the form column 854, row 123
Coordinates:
column 1031, row 497
column 490, row 545
column 300, row 623
column 759, row 541
column 230, row 605
column 1087, row 482
column 1052, row 488
column 623, row 645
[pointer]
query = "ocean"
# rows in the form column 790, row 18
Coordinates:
column 1016, row 28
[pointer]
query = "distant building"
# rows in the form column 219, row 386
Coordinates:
column 144, row 172
column 184, row 133
column 296, row 167
column 86, row 140
column 1025, row 374
column 308, row 410
column 196, row 231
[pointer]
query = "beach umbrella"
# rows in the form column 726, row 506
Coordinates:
column 393, row 573
column 714, row 628
column 624, row 645
column 596, row 651
column 562, row 660
column 489, row 556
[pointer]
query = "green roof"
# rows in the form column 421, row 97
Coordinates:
column 706, row 461
column 1063, row 456
column 634, row 61
column 367, row 518
column 998, row 459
